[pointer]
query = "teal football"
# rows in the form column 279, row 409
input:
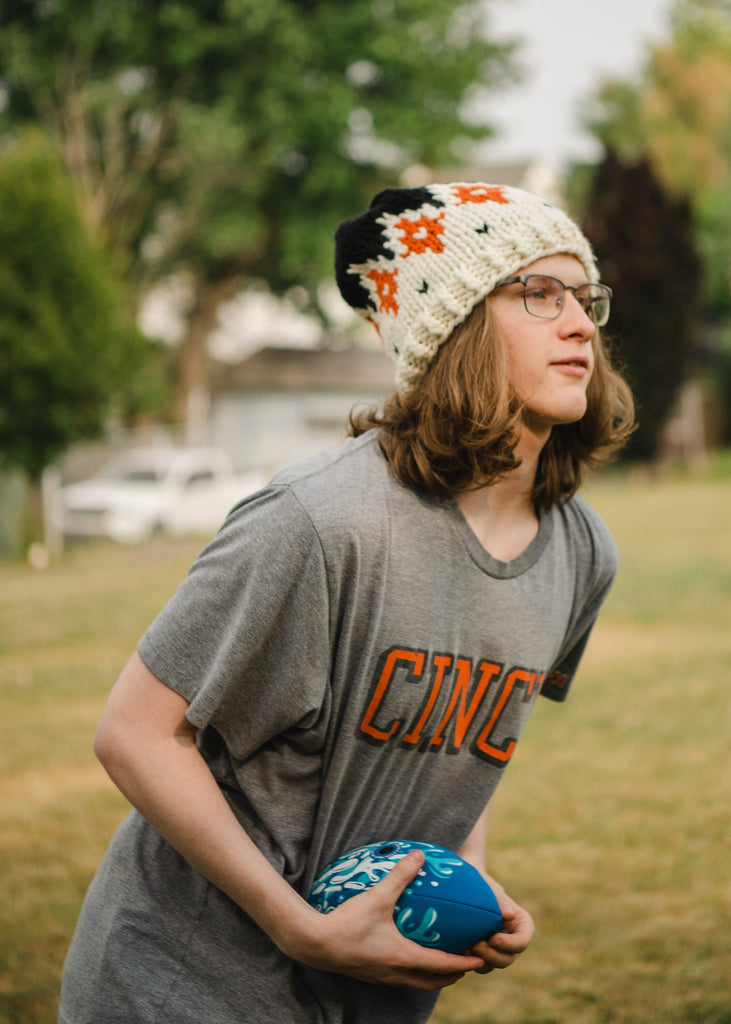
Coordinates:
column 448, row 906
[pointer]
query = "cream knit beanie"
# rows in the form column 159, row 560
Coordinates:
column 420, row 259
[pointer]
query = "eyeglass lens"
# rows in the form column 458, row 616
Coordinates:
column 545, row 296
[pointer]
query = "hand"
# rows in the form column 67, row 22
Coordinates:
column 360, row 939
column 502, row 949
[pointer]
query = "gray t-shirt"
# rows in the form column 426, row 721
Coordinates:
column 360, row 669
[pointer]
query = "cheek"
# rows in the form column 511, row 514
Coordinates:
column 522, row 369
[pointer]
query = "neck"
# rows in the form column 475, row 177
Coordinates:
column 502, row 514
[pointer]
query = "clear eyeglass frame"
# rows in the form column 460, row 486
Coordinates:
column 543, row 296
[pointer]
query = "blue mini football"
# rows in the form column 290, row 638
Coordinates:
column 448, row 906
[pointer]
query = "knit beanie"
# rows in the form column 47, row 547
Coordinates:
column 418, row 261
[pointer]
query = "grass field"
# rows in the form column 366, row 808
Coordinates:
column 612, row 824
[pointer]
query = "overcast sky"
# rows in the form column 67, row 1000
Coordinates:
column 569, row 47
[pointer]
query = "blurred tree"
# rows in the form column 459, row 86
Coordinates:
column 643, row 239
column 66, row 350
column 227, row 138
column 678, row 114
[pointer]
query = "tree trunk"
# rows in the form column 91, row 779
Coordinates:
column 32, row 534
column 190, row 398
column 42, row 539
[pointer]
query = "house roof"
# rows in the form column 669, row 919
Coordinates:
column 354, row 371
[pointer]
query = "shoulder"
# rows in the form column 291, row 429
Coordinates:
column 354, row 460
column 589, row 535
column 351, row 484
column 342, row 491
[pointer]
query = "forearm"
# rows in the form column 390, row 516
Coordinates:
column 167, row 780
column 517, row 928
column 475, row 848
column 147, row 745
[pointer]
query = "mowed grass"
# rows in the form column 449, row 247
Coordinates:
column 612, row 823
column 64, row 636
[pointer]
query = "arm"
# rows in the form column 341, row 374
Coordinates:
column 147, row 746
column 501, row 949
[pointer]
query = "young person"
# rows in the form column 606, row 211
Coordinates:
column 354, row 656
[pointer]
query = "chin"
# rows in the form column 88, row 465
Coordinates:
column 541, row 419
column 573, row 417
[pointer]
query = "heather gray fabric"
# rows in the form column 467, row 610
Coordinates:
column 360, row 669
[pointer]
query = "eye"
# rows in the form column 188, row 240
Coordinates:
column 543, row 290
column 594, row 302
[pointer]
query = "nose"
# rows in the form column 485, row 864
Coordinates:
column 574, row 321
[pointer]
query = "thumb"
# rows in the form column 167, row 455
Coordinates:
column 403, row 872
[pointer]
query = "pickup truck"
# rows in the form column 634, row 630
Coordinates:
column 176, row 491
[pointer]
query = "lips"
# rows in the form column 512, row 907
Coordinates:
column 581, row 362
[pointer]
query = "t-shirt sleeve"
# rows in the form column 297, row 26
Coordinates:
column 597, row 563
column 245, row 638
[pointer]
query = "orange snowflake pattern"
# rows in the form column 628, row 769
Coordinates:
column 422, row 234
column 479, row 194
column 387, row 289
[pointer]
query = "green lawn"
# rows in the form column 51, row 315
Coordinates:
column 612, row 824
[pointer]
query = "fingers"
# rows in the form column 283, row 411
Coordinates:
column 493, row 958
column 426, row 982
column 502, row 949
column 452, row 967
column 417, row 974
column 360, row 939
column 433, row 968
column 516, row 933
column 400, row 875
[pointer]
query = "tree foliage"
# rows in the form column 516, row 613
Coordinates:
column 643, row 239
column 65, row 349
column 678, row 115
column 227, row 138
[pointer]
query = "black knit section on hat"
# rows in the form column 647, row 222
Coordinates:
column 396, row 200
column 360, row 239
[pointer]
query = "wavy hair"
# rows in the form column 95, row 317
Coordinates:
column 458, row 429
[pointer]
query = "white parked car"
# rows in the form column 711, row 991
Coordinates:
column 174, row 490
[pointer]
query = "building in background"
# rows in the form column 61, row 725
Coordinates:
column 280, row 406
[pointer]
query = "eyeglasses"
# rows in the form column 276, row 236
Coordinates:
column 544, row 297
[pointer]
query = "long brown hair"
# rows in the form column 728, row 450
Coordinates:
column 458, row 429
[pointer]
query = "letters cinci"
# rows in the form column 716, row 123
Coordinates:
column 464, row 691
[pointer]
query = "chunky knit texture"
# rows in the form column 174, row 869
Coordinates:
column 418, row 261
